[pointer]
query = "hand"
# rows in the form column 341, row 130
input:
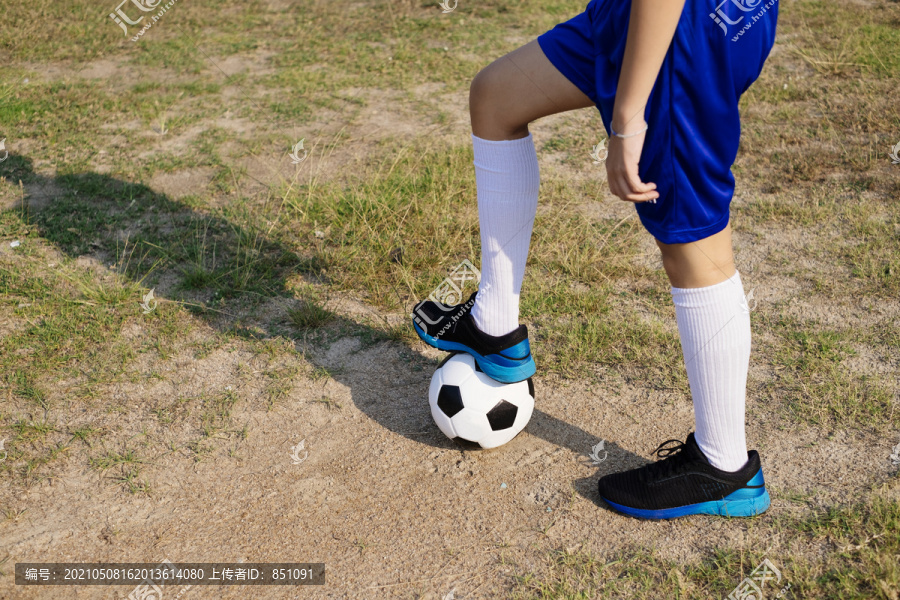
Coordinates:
column 622, row 167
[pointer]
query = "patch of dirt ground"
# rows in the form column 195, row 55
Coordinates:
column 390, row 506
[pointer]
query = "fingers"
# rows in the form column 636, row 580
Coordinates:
column 632, row 189
column 645, row 197
column 637, row 190
column 622, row 171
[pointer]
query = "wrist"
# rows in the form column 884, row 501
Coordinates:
column 621, row 134
column 628, row 124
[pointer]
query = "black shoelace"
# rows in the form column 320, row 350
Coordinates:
column 672, row 460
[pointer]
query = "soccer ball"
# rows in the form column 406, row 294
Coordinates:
column 469, row 406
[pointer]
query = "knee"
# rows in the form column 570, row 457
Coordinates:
column 482, row 92
column 493, row 117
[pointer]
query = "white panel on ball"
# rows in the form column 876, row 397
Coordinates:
column 458, row 368
column 470, row 424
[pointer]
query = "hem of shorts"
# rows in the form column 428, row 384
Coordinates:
column 686, row 236
column 556, row 61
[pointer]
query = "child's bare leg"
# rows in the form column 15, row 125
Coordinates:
column 701, row 263
column 515, row 90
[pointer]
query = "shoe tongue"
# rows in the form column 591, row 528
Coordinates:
column 693, row 450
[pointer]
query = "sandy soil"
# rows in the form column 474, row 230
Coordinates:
column 391, row 507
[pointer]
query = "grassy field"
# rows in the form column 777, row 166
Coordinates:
column 163, row 164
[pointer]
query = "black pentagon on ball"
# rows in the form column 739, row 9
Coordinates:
column 450, row 400
column 502, row 416
column 530, row 387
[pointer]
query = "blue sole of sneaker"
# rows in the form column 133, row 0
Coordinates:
column 745, row 502
column 502, row 373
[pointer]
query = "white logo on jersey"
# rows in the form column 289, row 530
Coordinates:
column 721, row 18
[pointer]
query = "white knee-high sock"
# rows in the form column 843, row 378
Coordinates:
column 507, row 181
column 714, row 325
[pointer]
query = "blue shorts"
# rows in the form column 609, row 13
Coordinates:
column 692, row 112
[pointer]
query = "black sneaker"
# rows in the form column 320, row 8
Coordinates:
column 506, row 358
column 684, row 483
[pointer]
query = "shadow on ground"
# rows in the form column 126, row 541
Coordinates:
column 229, row 273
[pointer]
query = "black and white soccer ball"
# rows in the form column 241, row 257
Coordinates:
column 469, row 406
